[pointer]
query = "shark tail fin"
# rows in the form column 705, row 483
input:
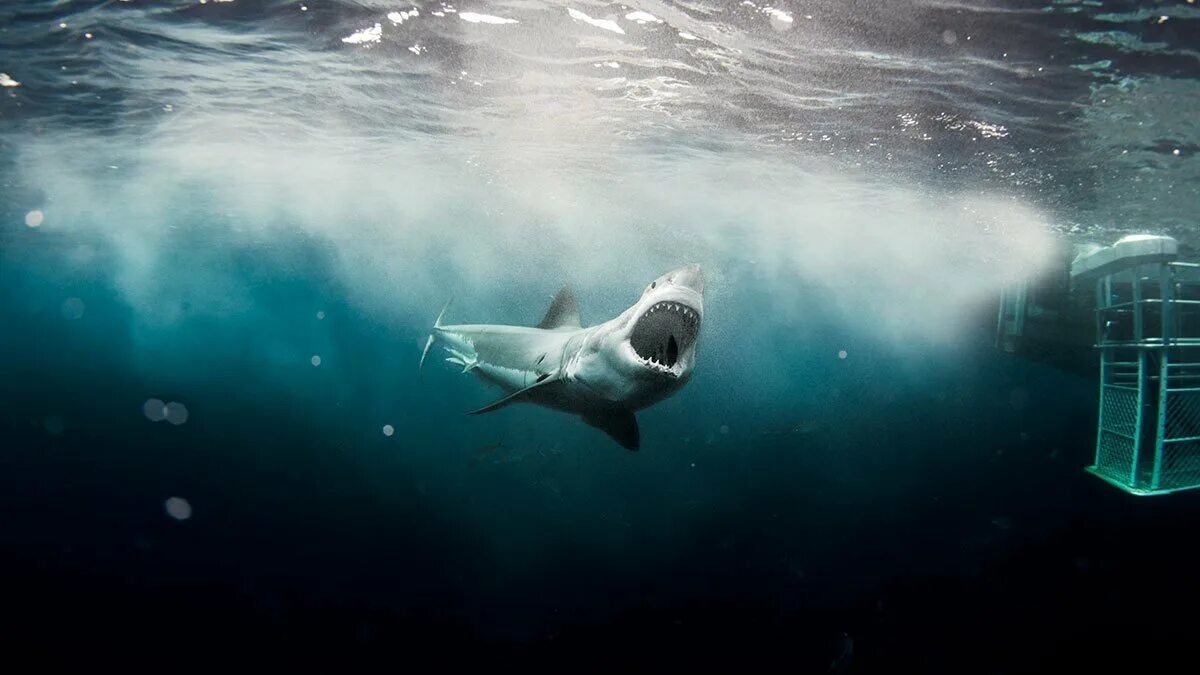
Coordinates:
column 429, row 341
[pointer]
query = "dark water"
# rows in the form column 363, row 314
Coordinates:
column 228, row 207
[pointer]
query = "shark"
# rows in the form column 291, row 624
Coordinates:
column 604, row 373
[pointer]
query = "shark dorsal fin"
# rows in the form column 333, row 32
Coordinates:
column 563, row 312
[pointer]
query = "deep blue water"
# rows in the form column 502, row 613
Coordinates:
column 199, row 199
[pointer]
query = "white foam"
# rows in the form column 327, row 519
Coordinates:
column 400, row 17
column 472, row 17
column 365, row 36
column 642, row 17
column 778, row 15
column 606, row 24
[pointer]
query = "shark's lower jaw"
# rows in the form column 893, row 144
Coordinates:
column 663, row 334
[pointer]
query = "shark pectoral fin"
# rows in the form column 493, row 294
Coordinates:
column 621, row 425
column 516, row 396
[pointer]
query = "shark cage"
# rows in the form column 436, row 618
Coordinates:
column 1138, row 305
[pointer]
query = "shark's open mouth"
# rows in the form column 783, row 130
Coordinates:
column 665, row 332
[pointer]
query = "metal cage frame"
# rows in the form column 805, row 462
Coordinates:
column 1148, row 334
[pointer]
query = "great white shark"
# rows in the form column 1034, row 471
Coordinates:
column 604, row 373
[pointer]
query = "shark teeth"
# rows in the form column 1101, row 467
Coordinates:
column 687, row 312
column 653, row 363
column 664, row 334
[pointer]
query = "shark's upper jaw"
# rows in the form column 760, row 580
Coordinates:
column 664, row 334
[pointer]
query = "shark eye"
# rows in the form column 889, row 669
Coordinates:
column 653, row 284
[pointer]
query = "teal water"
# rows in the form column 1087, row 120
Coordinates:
column 254, row 212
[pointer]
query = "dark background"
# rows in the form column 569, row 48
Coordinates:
column 926, row 516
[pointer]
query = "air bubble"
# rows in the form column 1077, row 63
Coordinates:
column 154, row 410
column 72, row 309
column 176, row 413
column 178, row 508
column 1019, row 398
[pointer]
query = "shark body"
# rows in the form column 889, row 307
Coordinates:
column 604, row 373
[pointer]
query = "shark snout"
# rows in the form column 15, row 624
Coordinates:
column 690, row 276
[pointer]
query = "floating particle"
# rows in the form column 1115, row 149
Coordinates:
column 155, row 410
column 34, row 218
column 176, row 413
column 315, row 360
column 178, row 508
column 843, row 653
column 53, row 424
column 1019, row 398
column 72, row 309
column 320, row 315
column 842, row 354
column 724, row 429
column 388, row 430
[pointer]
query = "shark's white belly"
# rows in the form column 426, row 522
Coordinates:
column 513, row 357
